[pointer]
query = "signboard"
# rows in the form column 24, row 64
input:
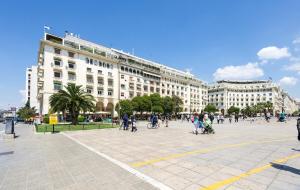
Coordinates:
column 53, row 119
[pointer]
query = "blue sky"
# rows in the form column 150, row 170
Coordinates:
column 210, row 38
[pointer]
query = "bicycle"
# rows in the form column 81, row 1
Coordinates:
column 150, row 126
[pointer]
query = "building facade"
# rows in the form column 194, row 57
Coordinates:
column 108, row 74
column 31, row 86
column 225, row 94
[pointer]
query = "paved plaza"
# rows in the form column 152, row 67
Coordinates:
column 245, row 155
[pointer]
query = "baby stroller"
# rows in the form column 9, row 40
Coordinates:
column 208, row 129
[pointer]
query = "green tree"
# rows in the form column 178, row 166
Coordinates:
column 26, row 112
column 168, row 105
column 178, row 104
column 157, row 109
column 146, row 103
column 156, row 103
column 210, row 108
column 124, row 107
column 269, row 106
column 234, row 110
column 73, row 99
column 137, row 104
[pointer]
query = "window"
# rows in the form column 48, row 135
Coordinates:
column 87, row 60
column 100, row 72
column 57, row 86
column 89, row 79
column 100, row 91
column 100, row 81
column 110, row 92
column 71, row 76
column 145, row 88
column 71, row 54
column 110, row 82
column 122, row 94
column 122, row 76
column 71, row 65
column 89, row 90
column 109, row 74
column 57, row 51
column 57, row 62
column 89, row 69
column 57, row 74
column 123, row 86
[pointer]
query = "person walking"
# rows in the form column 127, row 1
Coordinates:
column 125, row 122
column 167, row 121
column 230, row 118
column 196, row 124
column 236, row 118
column 222, row 119
column 133, row 123
column 211, row 117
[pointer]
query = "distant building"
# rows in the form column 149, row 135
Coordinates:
column 31, row 86
column 227, row 93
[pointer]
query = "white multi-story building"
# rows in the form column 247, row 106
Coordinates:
column 225, row 94
column 290, row 104
column 31, row 86
column 109, row 75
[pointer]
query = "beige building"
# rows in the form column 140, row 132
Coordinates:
column 226, row 93
column 109, row 75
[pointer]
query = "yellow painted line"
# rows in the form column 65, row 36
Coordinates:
column 201, row 151
column 233, row 179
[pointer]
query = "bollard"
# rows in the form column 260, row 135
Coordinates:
column 53, row 128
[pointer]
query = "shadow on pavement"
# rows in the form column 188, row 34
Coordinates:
column 296, row 149
column 6, row 153
column 286, row 168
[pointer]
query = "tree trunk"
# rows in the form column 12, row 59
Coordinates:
column 75, row 118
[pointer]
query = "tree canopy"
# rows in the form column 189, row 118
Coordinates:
column 233, row 110
column 74, row 100
column 210, row 108
column 26, row 112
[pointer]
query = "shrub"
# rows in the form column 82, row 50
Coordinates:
column 81, row 118
column 46, row 119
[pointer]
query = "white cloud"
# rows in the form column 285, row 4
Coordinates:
column 288, row 81
column 239, row 72
column 296, row 41
column 23, row 95
column 273, row 52
column 293, row 67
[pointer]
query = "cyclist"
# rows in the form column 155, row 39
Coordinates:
column 154, row 120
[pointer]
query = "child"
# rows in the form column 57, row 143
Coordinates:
column 133, row 128
column 196, row 124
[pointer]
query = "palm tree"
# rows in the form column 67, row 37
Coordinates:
column 73, row 100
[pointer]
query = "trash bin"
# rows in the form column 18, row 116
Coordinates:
column 10, row 126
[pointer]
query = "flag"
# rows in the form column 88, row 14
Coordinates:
column 47, row 27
